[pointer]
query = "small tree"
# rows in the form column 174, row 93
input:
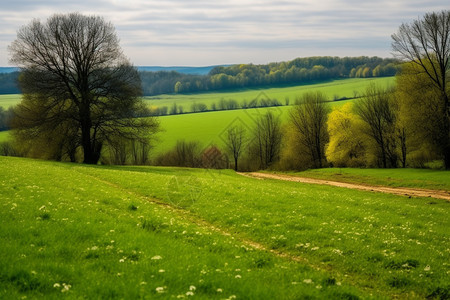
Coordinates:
column 234, row 142
column 376, row 111
column 266, row 140
column 309, row 118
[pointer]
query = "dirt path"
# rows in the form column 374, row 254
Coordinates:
column 408, row 192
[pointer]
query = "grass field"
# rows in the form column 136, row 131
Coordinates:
column 4, row 136
column 417, row 178
column 334, row 88
column 339, row 88
column 209, row 128
column 143, row 232
column 7, row 101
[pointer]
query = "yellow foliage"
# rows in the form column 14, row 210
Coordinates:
column 346, row 146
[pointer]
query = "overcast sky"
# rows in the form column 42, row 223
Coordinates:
column 210, row 32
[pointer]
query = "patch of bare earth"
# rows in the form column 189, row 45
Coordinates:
column 403, row 191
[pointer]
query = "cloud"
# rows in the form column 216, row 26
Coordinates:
column 235, row 30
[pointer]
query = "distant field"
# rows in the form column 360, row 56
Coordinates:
column 208, row 128
column 9, row 100
column 417, row 178
column 4, row 136
column 110, row 232
column 335, row 88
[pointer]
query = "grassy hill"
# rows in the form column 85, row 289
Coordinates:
column 332, row 89
column 76, row 231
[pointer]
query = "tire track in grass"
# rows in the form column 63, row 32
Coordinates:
column 407, row 192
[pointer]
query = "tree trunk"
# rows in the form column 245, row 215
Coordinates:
column 235, row 163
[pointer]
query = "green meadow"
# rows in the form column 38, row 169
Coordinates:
column 4, row 136
column 416, row 178
column 209, row 128
column 76, row 231
column 332, row 89
column 7, row 101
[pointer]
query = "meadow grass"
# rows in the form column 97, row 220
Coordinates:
column 4, row 136
column 350, row 243
column 7, row 101
column 71, row 231
column 416, row 178
column 332, row 89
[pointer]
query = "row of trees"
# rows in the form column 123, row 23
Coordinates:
column 297, row 71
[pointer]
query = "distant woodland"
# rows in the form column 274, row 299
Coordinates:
column 297, row 71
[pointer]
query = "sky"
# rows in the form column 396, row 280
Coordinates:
column 211, row 32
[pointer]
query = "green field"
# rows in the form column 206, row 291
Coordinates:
column 144, row 232
column 4, row 136
column 334, row 88
column 417, row 178
column 209, row 128
column 7, row 101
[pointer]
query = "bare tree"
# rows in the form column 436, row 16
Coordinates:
column 266, row 142
column 234, row 141
column 75, row 66
column 426, row 43
column 309, row 118
column 375, row 110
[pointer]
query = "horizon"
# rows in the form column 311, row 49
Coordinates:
column 207, row 33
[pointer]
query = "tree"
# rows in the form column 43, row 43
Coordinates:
column 420, row 114
column 266, row 142
column 375, row 110
column 426, row 43
column 309, row 118
column 235, row 139
column 346, row 147
column 75, row 75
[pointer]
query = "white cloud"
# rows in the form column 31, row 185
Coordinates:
column 200, row 32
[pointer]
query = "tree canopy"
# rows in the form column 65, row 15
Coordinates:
column 77, row 84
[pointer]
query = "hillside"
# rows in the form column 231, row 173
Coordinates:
column 126, row 232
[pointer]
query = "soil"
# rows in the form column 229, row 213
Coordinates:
column 403, row 191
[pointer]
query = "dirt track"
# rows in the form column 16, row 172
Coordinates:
column 408, row 192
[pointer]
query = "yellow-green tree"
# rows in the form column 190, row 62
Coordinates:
column 347, row 146
column 421, row 114
column 425, row 43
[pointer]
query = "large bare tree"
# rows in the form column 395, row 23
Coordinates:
column 76, row 75
column 426, row 43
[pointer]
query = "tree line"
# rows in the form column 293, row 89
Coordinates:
column 297, row 71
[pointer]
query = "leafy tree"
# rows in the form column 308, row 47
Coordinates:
column 346, row 146
column 76, row 78
column 426, row 43
column 309, row 118
column 421, row 115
